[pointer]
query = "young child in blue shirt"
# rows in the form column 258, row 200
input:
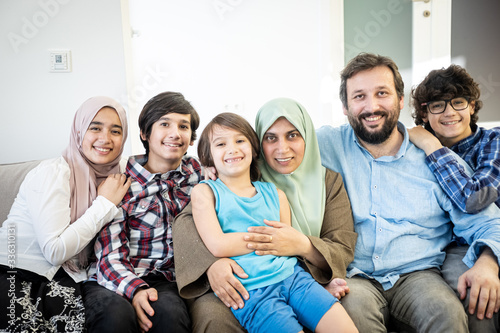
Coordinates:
column 283, row 297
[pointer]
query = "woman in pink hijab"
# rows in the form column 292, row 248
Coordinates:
column 61, row 205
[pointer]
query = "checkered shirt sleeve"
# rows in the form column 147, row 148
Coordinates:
column 139, row 240
column 470, row 192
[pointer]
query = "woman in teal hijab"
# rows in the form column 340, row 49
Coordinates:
column 323, row 232
column 290, row 159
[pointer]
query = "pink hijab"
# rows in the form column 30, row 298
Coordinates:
column 85, row 176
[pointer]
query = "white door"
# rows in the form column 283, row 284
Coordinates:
column 431, row 36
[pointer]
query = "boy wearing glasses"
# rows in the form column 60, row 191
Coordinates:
column 446, row 103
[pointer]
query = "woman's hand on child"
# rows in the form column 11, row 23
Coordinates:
column 278, row 239
column 225, row 285
column 337, row 287
column 114, row 187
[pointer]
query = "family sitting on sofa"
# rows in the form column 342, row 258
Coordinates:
column 410, row 243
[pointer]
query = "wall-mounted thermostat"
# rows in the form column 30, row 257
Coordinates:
column 60, row 61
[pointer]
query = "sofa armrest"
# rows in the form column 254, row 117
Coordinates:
column 11, row 177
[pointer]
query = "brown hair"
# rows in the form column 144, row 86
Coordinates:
column 365, row 61
column 237, row 123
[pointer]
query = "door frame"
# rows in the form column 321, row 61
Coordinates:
column 431, row 37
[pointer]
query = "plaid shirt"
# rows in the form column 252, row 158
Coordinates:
column 139, row 239
column 481, row 151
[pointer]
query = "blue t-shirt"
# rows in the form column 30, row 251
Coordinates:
column 236, row 214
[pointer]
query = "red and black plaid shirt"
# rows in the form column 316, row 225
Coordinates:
column 139, row 239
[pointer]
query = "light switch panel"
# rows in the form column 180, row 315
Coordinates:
column 60, row 61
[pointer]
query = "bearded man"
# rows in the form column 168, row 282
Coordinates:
column 403, row 218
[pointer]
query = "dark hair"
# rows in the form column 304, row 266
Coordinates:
column 439, row 84
column 160, row 105
column 365, row 61
column 237, row 123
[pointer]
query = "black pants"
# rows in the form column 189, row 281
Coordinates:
column 29, row 302
column 106, row 311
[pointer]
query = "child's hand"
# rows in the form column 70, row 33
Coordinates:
column 338, row 288
column 142, row 306
column 210, row 173
column 424, row 139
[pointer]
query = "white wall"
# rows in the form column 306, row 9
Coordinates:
column 236, row 55
column 36, row 106
column 222, row 55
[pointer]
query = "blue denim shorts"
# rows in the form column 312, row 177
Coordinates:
column 287, row 305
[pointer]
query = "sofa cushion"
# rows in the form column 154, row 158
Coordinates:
column 11, row 177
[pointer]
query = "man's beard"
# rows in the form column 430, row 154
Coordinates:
column 374, row 137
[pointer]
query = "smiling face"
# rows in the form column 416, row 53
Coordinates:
column 231, row 152
column 283, row 146
column 451, row 126
column 103, row 139
column 373, row 104
column 168, row 142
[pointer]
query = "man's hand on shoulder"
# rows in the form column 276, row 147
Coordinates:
column 140, row 302
column 484, row 284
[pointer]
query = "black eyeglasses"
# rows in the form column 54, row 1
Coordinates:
column 457, row 103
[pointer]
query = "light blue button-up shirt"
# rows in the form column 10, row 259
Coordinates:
column 401, row 214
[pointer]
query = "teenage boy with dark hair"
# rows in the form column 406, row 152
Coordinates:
column 446, row 103
column 135, row 251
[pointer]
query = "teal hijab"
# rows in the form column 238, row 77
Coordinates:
column 305, row 187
